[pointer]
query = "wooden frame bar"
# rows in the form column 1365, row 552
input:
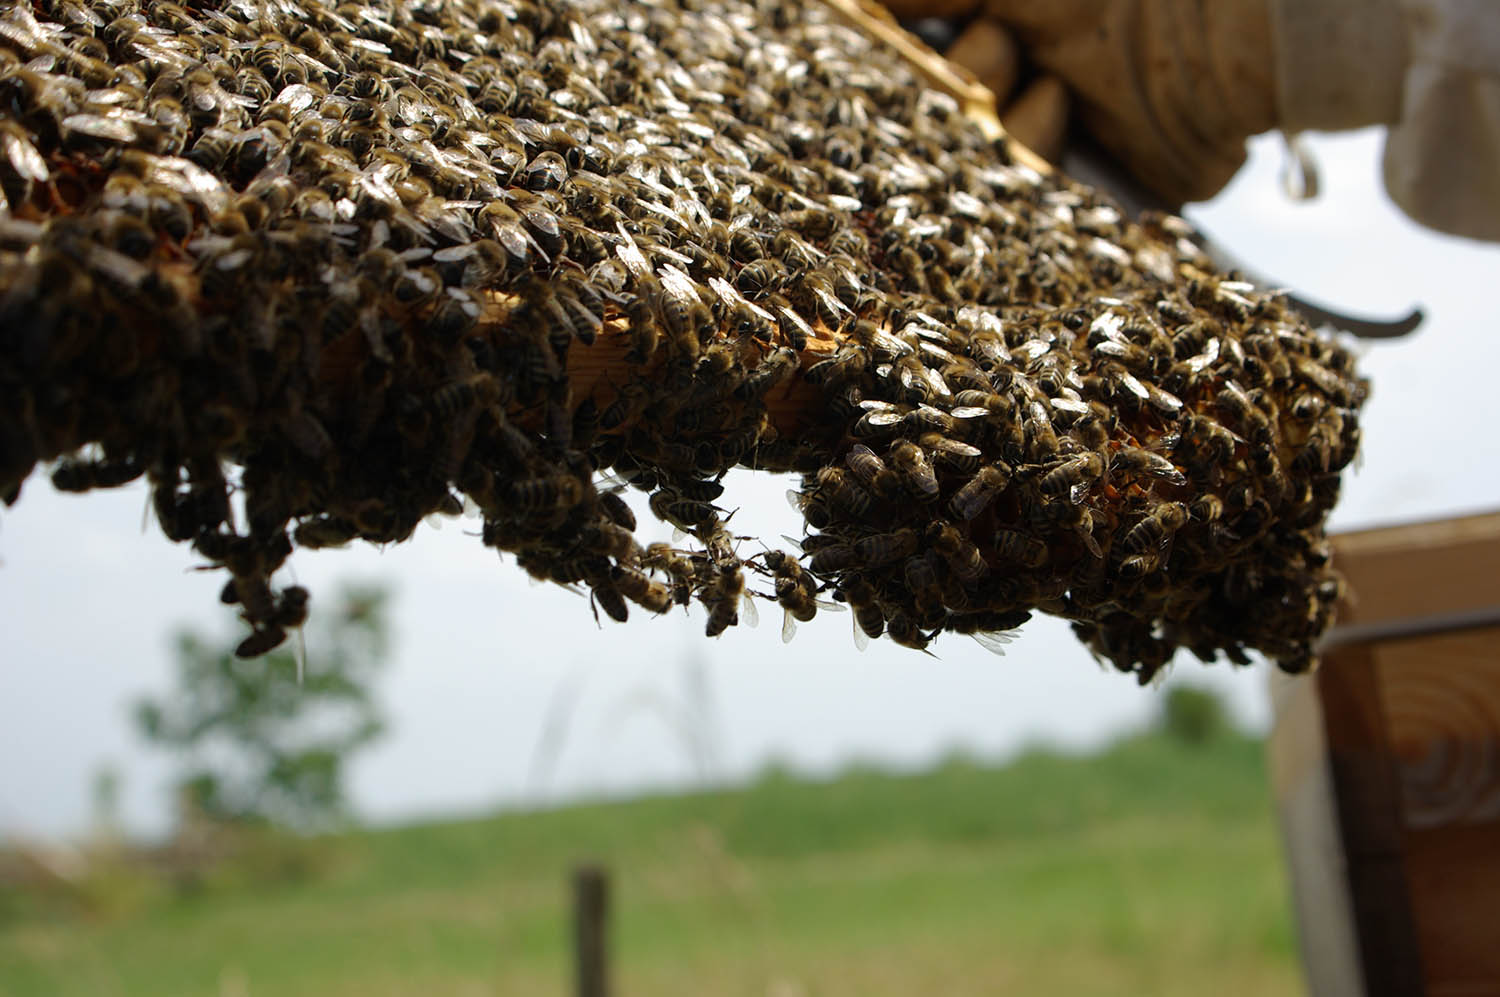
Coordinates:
column 1386, row 768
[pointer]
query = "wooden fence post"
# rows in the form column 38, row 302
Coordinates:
column 591, row 929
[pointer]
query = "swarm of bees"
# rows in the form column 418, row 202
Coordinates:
column 318, row 271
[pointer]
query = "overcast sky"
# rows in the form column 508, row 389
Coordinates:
column 88, row 599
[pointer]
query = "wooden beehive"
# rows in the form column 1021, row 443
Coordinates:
column 1386, row 767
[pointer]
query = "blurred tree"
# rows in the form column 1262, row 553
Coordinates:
column 1193, row 715
column 258, row 741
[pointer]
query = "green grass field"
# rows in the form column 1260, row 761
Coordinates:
column 1153, row 868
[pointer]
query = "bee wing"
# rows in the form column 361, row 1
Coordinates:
column 630, row 254
column 192, row 181
column 23, row 157
column 123, row 269
column 299, row 654
column 111, row 129
column 797, row 321
column 1071, row 406
column 452, row 254
column 834, row 304
column 749, row 615
column 788, row 626
column 1165, row 470
column 992, row 642
column 1164, row 400
column 753, row 308
column 679, row 283
column 861, row 639
column 726, row 291
column 1206, row 359
column 663, row 211
column 888, row 343
column 1032, row 350
column 1134, row 386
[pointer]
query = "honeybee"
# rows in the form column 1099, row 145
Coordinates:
column 847, row 364
column 262, row 640
column 324, row 531
column 818, row 295
column 926, row 590
column 833, row 559
column 959, row 456
column 630, row 401
column 812, row 507
column 916, row 473
column 1041, row 438
column 618, row 510
column 795, row 590
column 963, row 558
column 777, row 366
column 742, row 316
column 1017, row 547
column 902, row 629
column 1210, row 446
column 1234, row 402
column 726, row 597
column 668, row 505
column 843, row 490
column 881, row 419
column 760, row 278
column 510, row 234
column 1308, row 407
column 641, row 589
column 603, row 594
column 970, row 500
column 1073, row 477
column 676, row 565
column 744, row 242
column 813, row 222
column 850, row 242
column 1136, row 460
column 1155, row 531
column 882, row 548
column 78, row 474
column 608, row 540
column 793, row 326
column 1137, row 566
column 872, row 471
column 869, row 620
column 555, row 492
column 684, row 315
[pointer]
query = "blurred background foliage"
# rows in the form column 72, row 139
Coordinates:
column 1151, row 867
column 266, row 740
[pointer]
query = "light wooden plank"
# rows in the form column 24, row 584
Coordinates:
column 1435, row 569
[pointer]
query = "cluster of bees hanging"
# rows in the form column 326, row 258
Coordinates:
column 320, row 270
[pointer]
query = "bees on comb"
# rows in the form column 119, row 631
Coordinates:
column 360, row 283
